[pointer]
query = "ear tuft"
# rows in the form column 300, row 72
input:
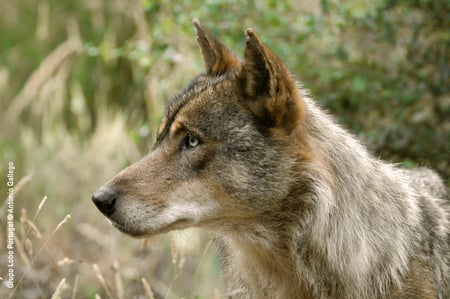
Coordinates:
column 250, row 33
column 217, row 58
column 196, row 22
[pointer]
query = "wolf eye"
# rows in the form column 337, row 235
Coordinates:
column 191, row 141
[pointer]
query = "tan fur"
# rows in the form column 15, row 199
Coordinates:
column 282, row 99
column 418, row 283
column 162, row 125
column 218, row 59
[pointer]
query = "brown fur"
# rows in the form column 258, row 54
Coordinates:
column 418, row 284
column 218, row 59
column 282, row 102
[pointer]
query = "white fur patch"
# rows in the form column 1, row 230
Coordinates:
column 192, row 202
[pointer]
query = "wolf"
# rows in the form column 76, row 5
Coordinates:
column 297, row 205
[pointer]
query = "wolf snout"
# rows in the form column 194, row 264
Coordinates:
column 105, row 199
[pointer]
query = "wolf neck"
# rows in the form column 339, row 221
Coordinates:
column 264, row 262
column 342, row 234
column 357, row 223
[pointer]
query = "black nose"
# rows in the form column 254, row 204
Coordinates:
column 105, row 199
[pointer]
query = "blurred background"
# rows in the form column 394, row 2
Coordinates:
column 83, row 86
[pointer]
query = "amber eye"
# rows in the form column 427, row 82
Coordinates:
column 191, row 141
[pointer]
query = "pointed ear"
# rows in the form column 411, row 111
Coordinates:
column 218, row 59
column 269, row 88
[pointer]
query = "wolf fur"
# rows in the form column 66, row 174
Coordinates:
column 299, row 208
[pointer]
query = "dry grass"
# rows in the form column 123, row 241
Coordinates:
column 67, row 249
column 92, row 260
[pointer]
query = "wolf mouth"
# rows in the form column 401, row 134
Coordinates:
column 135, row 232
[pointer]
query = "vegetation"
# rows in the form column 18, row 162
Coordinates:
column 83, row 86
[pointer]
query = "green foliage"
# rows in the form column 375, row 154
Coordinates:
column 389, row 77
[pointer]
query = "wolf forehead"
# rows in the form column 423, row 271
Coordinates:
column 204, row 88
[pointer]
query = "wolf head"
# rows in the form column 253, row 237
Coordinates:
column 224, row 152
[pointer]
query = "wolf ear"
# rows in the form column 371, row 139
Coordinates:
column 268, row 86
column 218, row 59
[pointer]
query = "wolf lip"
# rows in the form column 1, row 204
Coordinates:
column 135, row 233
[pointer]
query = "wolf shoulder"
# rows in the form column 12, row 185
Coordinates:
column 428, row 184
